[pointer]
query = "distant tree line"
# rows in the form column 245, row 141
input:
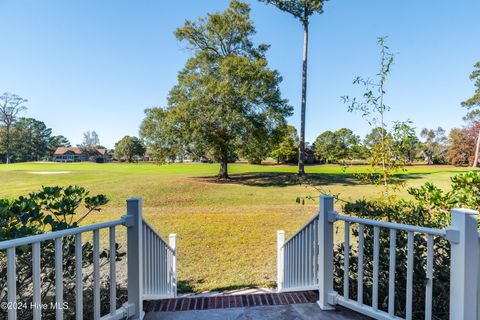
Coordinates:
column 21, row 138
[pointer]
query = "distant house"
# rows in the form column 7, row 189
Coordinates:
column 75, row 154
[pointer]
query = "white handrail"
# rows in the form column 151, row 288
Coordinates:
column 390, row 225
column 158, row 235
column 57, row 234
column 302, row 228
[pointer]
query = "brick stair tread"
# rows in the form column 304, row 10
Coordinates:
column 229, row 301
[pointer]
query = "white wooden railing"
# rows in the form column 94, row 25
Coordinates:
column 151, row 268
column 159, row 264
column 298, row 258
column 295, row 265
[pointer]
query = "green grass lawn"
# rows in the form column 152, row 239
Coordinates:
column 226, row 232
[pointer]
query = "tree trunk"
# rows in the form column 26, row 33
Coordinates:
column 223, row 173
column 475, row 161
column 7, row 146
column 301, row 148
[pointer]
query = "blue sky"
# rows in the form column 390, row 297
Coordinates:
column 96, row 65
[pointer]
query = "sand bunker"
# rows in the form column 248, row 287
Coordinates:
column 49, row 172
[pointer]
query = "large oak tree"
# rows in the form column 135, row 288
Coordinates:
column 227, row 101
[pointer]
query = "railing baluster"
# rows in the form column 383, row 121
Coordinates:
column 36, row 310
column 299, row 262
column 169, row 270
column 160, row 259
column 315, row 244
column 159, row 268
column 162, row 269
column 376, row 252
column 310, row 255
column 360, row 264
column 59, row 278
column 286, row 266
column 305, row 257
column 428, row 289
column 346, row 260
column 409, row 276
column 165, row 268
column 391, row 273
column 96, row 274
column 314, row 254
column 173, row 244
column 294, row 263
column 150, row 260
column 11, row 283
column 113, row 272
column 145, row 257
column 155, row 266
column 78, row 277
column 290, row 264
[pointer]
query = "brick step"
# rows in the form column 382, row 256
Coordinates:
column 230, row 301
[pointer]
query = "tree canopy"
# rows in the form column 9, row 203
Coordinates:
column 129, row 147
column 11, row 105
column 434, row 147
column 300, row 9
column 474, row 101
column 286, row 149
column 334, row 146
column 226, row 99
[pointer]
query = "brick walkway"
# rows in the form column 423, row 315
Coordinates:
column 231, row 301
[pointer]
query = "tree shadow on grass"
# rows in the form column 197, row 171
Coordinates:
column 285, row 179
column 188, row 286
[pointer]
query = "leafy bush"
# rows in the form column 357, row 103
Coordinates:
column 430, row 207
column 50, row 209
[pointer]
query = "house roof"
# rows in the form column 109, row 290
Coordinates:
column 77, row 151
column 63, row 150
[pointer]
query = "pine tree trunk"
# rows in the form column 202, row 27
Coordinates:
column 301, row 148
column 475, row 161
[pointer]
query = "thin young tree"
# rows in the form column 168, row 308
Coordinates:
column 10, row 106
column 302, row 10
column 384, row 154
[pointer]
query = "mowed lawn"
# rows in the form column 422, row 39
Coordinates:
column 226, row 231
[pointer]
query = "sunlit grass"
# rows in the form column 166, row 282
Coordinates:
column 226, row 232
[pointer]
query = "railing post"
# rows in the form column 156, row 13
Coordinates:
column 463, row 237
column 135, row 258
column 280, row 260
column 325, row 254
column 172, row 241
